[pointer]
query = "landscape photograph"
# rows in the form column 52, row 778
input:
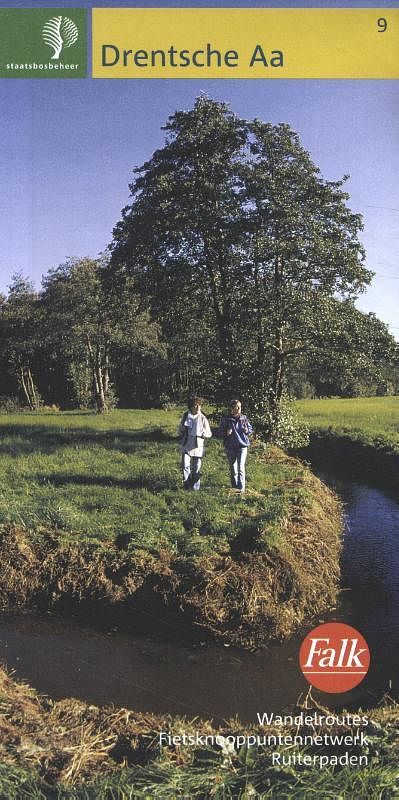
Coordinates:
column 199, row 436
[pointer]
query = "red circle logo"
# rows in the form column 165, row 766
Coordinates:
column 334, row 657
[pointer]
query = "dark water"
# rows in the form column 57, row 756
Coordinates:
column 64, row 659
column 370, row 576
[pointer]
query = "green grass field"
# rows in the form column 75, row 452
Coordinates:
column 369, row 419
column 103, row 477
column 94, row 507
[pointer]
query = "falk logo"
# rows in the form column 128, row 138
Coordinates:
column 58, row 33
column 334, row 657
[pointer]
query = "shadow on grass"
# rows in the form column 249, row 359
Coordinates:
column 152, row 483
column 42, row 439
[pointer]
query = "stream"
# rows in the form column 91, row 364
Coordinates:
column 64, row 659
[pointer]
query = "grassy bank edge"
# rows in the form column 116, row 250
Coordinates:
column 359, row 435
column 374, row 460
column 246, row 598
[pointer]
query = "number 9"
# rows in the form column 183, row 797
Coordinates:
column 382, row 24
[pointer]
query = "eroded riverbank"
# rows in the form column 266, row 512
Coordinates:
column 246, row 594
column 168, row 677
column 355, row 457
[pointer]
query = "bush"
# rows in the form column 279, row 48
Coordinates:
column 284, row 428
column 9, row 405
column 81, row 382
column 166, row 403
column 111, row 398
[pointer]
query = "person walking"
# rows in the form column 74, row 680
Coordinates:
column 194, row 428
column 235, row 430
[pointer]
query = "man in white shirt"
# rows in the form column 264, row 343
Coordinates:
column 194, row 429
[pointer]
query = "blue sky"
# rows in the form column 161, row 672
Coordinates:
column 68, row 148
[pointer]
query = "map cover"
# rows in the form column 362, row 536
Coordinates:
column 199, row 380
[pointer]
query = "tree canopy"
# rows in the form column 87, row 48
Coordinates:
column 240, row 245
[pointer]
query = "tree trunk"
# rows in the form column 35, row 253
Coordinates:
column 276, row 389
column 28, row 388
column 106, row 374
column 221, row 300
column 98, row 377
column 24, row 387
column 259, row 325
column 99, row 384
column 32, row 390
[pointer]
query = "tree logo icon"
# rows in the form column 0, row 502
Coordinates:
column 59, row 32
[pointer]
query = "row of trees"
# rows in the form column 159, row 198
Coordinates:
column 233, row 270
column 68, row 342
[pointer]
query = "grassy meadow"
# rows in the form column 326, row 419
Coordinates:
column 93, row 510
column 370, row 419
column 118, row 478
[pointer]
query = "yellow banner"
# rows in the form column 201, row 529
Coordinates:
column 260, row 43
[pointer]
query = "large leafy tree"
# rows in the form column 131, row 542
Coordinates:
column 238, row 251
column 87, row 324
column 181, row 235
column 354, row 355
column 241, row 246
column 304, row 251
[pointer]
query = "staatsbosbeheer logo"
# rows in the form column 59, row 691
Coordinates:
column 334, row 657
column 43, row 42
column 59, row 32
